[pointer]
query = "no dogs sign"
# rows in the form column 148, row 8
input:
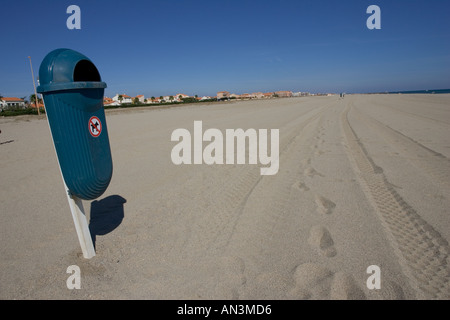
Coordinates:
column 95, row 126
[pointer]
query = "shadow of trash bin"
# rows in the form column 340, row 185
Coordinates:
column 106, row 215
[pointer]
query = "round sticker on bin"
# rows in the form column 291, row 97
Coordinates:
column 95, row 126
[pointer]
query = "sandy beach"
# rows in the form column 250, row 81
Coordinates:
column 362, row 181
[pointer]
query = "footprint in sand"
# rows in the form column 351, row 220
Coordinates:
column 321, row 240
column 314, row 281
column 344, row 287
column 300, row 186
column 324, row 205
column 319, row 153
column 311, row 172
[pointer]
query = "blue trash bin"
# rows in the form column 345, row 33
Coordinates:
column 73, row 96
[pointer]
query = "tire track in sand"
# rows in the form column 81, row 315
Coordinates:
column 390, row 106
column 423, row 252
column 214, row 228
column 433, row 163
column 288, row 145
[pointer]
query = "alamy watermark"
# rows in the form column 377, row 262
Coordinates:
column 374, row 21
column 374, row 281
column 74, row 20
column 74, row 280
column 234, row 140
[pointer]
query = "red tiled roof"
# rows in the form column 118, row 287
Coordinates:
column 12, row 99
column 40, row 105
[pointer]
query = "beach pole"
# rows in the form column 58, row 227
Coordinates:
column 34, row 85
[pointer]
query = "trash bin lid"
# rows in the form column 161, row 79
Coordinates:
column 66, row 69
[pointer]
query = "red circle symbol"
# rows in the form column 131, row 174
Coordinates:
column 95, row 126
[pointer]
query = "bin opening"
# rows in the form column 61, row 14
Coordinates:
column 85, row 71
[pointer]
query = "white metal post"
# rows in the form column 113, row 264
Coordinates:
column 81, row 224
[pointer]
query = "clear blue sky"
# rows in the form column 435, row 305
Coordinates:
column 200, row 47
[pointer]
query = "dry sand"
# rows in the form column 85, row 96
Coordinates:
column 363, row 181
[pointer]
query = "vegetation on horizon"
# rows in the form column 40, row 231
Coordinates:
column 136, row 103
column 20, row 112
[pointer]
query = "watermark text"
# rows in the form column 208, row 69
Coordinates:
column 234, row 144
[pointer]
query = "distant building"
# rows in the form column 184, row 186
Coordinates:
column 235, row 96
column 33, row 105
column 140, row 98
column 108, row 102
column 246, row 96
column 125, row 98
column 257, row 95
column 111, row 103
column 268, row 95
column 282, row 94
column 221, row 95
column 153, row 100
column 181, row 96
column 170, row 98
column 12, row 102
